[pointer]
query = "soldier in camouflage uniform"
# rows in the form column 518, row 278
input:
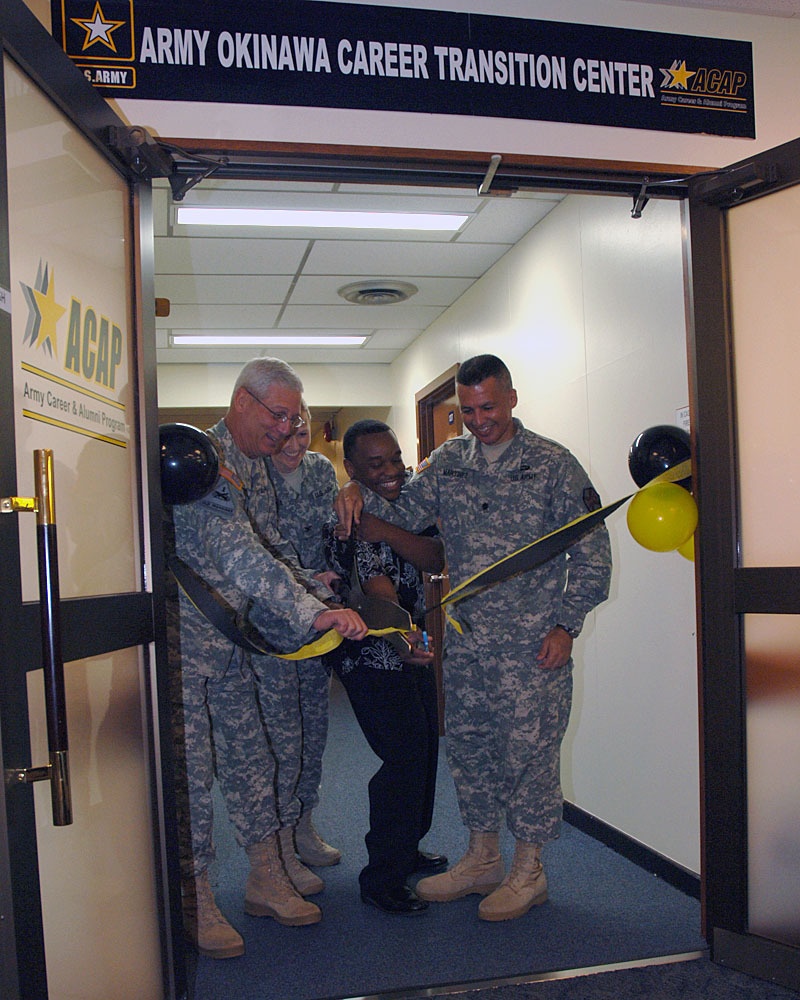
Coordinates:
column 215, row 707
column 508, row 673
column 305, row 488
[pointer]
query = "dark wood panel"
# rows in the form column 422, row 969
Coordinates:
column 127, row 621
column 758, row 957
column 774, row 590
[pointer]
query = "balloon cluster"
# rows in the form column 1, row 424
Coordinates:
column 189, row 463
column 661, row 517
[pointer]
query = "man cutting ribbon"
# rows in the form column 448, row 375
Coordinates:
column 391, row 684
column 228, row 540
column 508, row 672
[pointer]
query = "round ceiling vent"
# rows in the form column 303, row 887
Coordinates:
column 377, row 292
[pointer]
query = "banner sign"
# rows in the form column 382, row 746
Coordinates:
column 340, row 55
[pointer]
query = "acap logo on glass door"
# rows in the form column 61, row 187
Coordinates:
column 72, row 351
column 74, row 361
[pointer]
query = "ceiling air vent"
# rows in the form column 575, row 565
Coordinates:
column 377, row 292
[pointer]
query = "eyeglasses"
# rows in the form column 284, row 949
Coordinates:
column 295, row 423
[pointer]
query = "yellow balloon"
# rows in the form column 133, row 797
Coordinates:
column 687, row 548
column 662, row 516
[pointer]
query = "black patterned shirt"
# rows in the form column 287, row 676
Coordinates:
column 374, row 559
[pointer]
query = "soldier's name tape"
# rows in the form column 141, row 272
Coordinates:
column 224, row 618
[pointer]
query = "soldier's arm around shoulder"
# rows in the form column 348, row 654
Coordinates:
column 589, row 575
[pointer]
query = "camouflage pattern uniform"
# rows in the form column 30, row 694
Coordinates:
column 300, row 520
column 505, row 716
column 216, row 715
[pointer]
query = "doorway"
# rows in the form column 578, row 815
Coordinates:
column 590, row 314
column 623, row 303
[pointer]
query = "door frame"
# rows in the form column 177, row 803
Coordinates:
column 726, row 591
column 134, row 619
column 708, row 195
column 710, row 384
column 441, row 388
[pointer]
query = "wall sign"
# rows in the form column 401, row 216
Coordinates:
column 312, row 54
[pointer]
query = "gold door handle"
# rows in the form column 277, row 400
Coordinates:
column 57, row 771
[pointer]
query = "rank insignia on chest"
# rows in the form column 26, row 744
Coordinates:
column 591, row 498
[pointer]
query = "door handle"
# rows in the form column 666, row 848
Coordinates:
column 57, row 771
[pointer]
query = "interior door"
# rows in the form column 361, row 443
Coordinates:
column 745, row 245
column 86, row 887
column 438, row 419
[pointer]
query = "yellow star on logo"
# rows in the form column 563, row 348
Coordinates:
column 681, row 75
column 50, row 312
column 98, row 29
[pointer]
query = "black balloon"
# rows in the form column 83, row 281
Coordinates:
column 189, row 463
column 656, row 450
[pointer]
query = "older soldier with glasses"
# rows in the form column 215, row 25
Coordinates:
column 229, row 540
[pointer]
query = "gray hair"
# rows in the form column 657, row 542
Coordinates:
column 260, row 374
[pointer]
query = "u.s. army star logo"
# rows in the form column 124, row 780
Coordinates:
column 98, row 29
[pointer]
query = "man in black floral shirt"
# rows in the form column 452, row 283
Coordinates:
column 393, row 694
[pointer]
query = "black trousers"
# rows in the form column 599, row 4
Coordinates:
column 398, row 714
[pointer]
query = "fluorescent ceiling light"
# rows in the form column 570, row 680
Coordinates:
column 306, row 218
column 266, row 340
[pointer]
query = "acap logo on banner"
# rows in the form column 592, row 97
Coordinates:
column 305, row 53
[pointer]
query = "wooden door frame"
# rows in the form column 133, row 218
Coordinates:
column 435, row 392
column 441, row 388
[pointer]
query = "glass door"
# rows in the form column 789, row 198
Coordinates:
column 87, row 909
column 745, row 240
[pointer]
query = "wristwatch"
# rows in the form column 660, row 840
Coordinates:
column 573, row 633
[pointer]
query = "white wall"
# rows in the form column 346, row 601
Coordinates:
column 776, row 43
column 588, row 312
column 326, row 386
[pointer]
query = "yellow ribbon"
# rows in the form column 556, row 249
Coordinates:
column 328, row 641
column 549, row 545
column 523, row 558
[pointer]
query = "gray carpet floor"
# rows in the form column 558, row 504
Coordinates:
column 602, row 909
column 698, row 979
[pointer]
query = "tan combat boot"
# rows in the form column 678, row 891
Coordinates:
column 304, row 880
column 480, row 870
column 524, row 886
column 205, row 926
column 269, row 891
column 311, row 847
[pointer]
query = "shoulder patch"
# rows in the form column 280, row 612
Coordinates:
column 423, row 465
column 232, row 478
column 591, row 498
column 219, row 500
